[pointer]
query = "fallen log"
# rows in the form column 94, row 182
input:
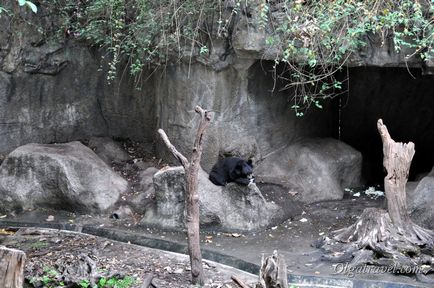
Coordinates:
column 239, row 282
column 147, row 282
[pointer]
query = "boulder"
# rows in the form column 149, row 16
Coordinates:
column 66, row 176
column 420, row 201
column 108, row 150
column 318, row 169
column 146, row 179
column 143, row 190
column 231, row 208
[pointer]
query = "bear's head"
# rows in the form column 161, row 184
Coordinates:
column 244, row 169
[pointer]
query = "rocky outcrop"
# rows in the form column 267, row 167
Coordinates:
column 421, row 201
column 53, row 91
column 318, row 169
column 232, row 208
column 62, row 176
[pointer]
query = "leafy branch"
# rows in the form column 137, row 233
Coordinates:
column 316, row 39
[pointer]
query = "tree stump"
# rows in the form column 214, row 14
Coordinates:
column 273, row 272
column 386, row 238
column 11, row 268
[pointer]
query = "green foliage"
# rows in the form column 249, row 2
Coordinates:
column 319, row 37
column 316, row 38
column 49, row 278
column 84, row 283
column 3, row 10
column 112, row 282
column 28, row 4
column 143, row 31
column 117, row 283
column 38, row 245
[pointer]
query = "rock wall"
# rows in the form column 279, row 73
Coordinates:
column 250, row 119
column 52, row 91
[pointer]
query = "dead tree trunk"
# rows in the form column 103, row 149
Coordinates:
column 273, row 273
column 192, row 196
column 386, row 238
column 397, row 161
column 11, row 268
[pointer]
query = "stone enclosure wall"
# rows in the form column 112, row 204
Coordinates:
column 54, row 92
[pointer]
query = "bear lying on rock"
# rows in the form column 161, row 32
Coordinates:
column 232, row 169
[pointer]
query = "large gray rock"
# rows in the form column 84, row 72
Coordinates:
column 318, row 169
column 62, row 176
column 108, row 150
column 420, row 201
column 234, row 207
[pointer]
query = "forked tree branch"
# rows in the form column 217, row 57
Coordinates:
column 192, row 195
column 175, row 152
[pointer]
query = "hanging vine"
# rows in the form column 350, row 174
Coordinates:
column 316, row 39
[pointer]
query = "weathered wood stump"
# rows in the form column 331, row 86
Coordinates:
column 11, row 267
column 386, row 238
column 273, row 273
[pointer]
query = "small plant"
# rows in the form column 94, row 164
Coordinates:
column 47, row 279
column 3, row 10
column 28, row 4
column 84, row 283
column 115, row 282
column 38, row 245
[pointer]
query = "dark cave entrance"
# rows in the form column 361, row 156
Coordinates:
column 405, row 104
column 403, row 98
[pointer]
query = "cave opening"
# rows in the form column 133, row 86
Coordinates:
column 404, row 99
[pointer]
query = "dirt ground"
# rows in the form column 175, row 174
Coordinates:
column 66, row 259
column 292, row 238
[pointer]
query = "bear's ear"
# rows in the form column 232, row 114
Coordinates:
column 250, row 162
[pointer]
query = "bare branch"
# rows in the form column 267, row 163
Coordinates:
column 205, row 120
column 239, row 282
column 175, row 152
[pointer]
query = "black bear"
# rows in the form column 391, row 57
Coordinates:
column 232, row 169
